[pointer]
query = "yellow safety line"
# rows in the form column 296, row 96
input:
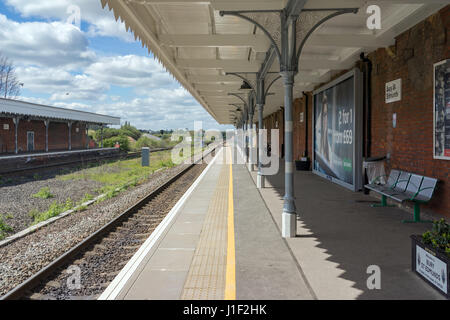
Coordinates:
column 230, row 282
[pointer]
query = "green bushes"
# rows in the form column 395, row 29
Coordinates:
column 44, row 193
column 4, row 227
column 130, row 131
column 111, row 136
column 54, row 210
column 149, row 143
column 439, row 236
column 122, row 140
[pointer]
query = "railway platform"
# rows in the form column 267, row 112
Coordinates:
column 223, row 241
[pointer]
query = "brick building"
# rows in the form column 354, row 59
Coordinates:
column 27, row 127
column 409, row 143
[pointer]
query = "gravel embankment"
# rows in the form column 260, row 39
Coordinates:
column 17, row 201
column 24, row 257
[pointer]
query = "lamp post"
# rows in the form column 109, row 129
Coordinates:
column 288, row 58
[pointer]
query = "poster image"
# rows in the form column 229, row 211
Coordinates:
column 442, row 110
column 336, row 133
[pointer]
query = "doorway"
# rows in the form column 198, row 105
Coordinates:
column 30, row 141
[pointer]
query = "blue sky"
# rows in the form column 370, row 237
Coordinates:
column 98, row 67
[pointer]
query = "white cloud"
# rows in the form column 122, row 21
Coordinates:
column 57, row 66
column 130, row 71
column 46, row 44
column 102, row 21
column 61, row 84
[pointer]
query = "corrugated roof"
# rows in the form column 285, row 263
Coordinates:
column 23, row 108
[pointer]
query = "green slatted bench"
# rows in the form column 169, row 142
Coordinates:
column 403, row 186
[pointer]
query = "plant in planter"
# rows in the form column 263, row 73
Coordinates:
column 431, row 256
column 439, row 236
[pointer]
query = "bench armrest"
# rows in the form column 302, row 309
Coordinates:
column 420, row 190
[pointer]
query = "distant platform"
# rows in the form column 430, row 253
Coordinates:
column 215, row 244
column 25, row 161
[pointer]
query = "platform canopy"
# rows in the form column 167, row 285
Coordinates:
column 199, row 47
column 32, row 110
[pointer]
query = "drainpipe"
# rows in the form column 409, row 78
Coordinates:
column 305, row 153
column 367, row 69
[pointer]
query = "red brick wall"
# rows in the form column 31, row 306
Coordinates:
column 300, row 127
column 270, row 123
column 38, row 128
column 78, row 139
column 7, row 137
column 410, row 144
column 58, row 136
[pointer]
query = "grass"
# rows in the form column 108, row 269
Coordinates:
column 4, row 227
column 44, row 193
column 54, row 210
column 114, row 177
column 122, row 173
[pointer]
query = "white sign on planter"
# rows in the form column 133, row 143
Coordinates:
column 431, row 268
column 394, row 91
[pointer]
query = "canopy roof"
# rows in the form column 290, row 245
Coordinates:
column 21, row 108
column 198, row 46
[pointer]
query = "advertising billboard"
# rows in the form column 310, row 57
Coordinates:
column 338, row 131
column 442, row 110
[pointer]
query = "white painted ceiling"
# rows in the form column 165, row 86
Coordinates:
column 198, row 46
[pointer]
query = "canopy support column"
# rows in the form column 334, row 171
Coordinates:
column 69, row 124
column 289, row 221
column 101, row 137
column 47, row 124
column 260, row 179
column 250, row 140
column 16, row 121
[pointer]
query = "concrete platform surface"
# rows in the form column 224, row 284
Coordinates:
column 223, row 241
column 194, row 258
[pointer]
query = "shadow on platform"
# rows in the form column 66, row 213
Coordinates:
column 340, row 236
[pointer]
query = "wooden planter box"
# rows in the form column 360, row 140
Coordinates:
column 431, row 265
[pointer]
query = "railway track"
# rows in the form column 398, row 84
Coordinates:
column 85, row 271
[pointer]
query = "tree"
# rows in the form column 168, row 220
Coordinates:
column 9, row 83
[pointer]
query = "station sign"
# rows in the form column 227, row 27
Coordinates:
column 394, row 91
column 432, row 269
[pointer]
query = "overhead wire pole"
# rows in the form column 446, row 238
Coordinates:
column 250, row 149
column 257, row 85
column 246, row 117
column 288, row 58
column 250, row 131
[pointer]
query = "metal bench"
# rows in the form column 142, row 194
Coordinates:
column 402, row 186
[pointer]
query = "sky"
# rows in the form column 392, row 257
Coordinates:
column 92, row 64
